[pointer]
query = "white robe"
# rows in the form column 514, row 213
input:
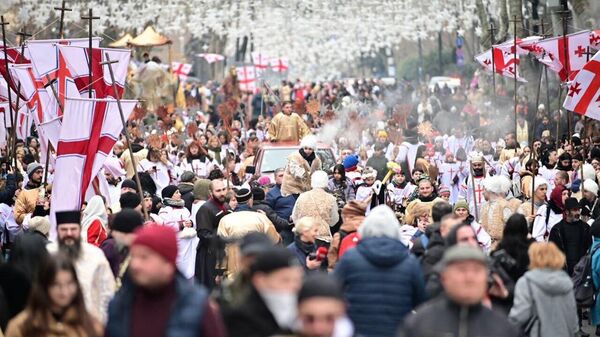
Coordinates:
column 186, row 245
column 539, row 224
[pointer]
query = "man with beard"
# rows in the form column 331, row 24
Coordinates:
column 116, row 246
column 93, row 271
column 511, row 149
column 207, row 221
column 300, row 166
column 31, row 194
column 287, row 126
column 472, row 187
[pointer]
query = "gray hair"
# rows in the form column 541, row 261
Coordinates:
column 279, row 170
column 381, row 222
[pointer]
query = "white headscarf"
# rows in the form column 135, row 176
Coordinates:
column 95, row 209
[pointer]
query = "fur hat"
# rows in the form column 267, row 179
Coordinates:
column 497, row 184
column 590, row 186
column 309, row 141
column 243, row 195
column 461, row 203
column 369, row 172
column 319, row 179
column 40, row 224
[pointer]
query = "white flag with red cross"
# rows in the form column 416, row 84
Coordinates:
column 503, row 61
column 90, row 128
column 182, row 70
column 36, row 96
column 280, row 64
column 77, row 63
column 246, row 78
column 13, row 56
column 583, row 96
column 570, row 52
column 24, row 122
column 261, row 61
column 211, row 58
column 4, row 124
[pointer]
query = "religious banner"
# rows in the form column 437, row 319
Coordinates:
column 182, row 70
column 246, row 78
column 583, row 96
column 280, row 64
column 211, row 58
column 574, row 58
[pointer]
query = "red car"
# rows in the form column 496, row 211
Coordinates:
column 272, row 156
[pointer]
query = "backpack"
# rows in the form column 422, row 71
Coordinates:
column 348, row 242
column 583, row 284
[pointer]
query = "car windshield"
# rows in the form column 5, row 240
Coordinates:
column 276, row 158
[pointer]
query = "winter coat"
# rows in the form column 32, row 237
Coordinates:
column 580, row 232
column 596, row 279
column 382, row 283
column 7, row 194
column 64, row 328
column 443, row 317
column 279, row 222
column 346, row 191
column 283, row 206
column 187, row 194
column 552, row 292
column 298, row 171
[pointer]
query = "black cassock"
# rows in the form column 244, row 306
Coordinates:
column 209, row 248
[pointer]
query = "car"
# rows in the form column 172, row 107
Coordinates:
column 272, row 156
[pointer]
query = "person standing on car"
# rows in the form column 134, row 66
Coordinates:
column 287, row 126
column 300, row 166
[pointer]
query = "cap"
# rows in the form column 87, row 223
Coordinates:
column 255, row 243
column 274, row 259
column 128, row 183
column 320, row 285
column 187, row 177
column 160, row 239
column 460, row 253
column 65, row 217
column 127, row 221
column 168, row 191
column 243, row 195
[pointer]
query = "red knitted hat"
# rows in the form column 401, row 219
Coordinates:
column 160, row 239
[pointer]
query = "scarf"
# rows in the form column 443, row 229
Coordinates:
column 305, row 247
column 173, row 203
column 555, row 202
column 308, row 158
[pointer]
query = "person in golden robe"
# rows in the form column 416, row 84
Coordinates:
column 287, row 126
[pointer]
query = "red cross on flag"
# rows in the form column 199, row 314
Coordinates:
column 247, row 78
column 505, row 63
column 77, row 63
column 576, row 45
column 261, row 61
column 280, row 64
column 36, row 96
column 595, row 39
column 24, row 122
column 583, row 96
column 211, row 58
column 13, row 57
column 181, row 69
column 90, row 128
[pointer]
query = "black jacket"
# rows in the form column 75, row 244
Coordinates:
column 279, row 222
column 252, row 319
column 187, row 194
column 574, row 240
column 452, row 319
column 8, row 193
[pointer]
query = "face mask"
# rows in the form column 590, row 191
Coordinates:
column 283, row 306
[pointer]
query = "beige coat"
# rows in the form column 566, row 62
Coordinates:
column 25, row 203
column 236, row 225
column 320, row 205
column 56, row 329
column 286, row 128
column 296, row 178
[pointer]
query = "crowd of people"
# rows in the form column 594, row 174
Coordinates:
column 428, row 219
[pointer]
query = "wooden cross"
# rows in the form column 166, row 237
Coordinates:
column 90, row 19
column 62, row 10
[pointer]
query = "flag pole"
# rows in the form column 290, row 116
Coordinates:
column 90, row 19
column 474, row 192
column 515, row 63
column 539, row 89
column 10, row 107
column 564, row 16
column 62, row 10
column 109, row 63
column 492, row 30
column 62, row 111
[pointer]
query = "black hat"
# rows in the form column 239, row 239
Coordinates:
column 128, row 183
column 65, row 217
column 168, row 191
column 571, row 203
column 187, row 177
column 258, row 193
column 126, row 221
column 320, row 285
column 243, row 195
column 274, row 259
column 255, row 243
column 129, row 200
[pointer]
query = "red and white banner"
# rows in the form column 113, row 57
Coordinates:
column 246, row 76
column 4, row 124
column 24, row 122
column 595, row 39
column 182, row 70
column 211, row 58
column 576, row 47
column 280, row 64
column 33, row 91
column 51, row 131
column 77, row 63
column 90, row 128
column 583, row 96
column 503, row 61
column 261, row 61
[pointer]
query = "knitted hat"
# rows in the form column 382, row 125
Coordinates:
column 321, row 285
column 258, row 194
column 161, row 239
column 462, row 203
column 319, row 179
column 32, row 167
column 354, row 208
column 127, row 221
column 443, row 189
column 274, row 259
column 128, row 183
column 350, row 162
column 590, row 186
column 201, row 189
column 382, row 133
column 264, row 181
column 309, row 141
column 187, row 177
column 243, row 195
column 129, row 200
column 168, row 191
column 65, row 217
column 40, row 224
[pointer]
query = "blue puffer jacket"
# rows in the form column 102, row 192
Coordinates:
column 283, row 206
column 382, row 283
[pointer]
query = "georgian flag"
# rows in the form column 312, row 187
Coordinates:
column 504, row 62
column 211, row 58
column 261, row 61
column 246, row 78
column 583, row 96
column 576, row 45
column 280, row 64
column 182, row 70
column 595, row 39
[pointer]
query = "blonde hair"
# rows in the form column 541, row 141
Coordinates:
column 419, row 210
column 304, row 224
column 545, row 255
